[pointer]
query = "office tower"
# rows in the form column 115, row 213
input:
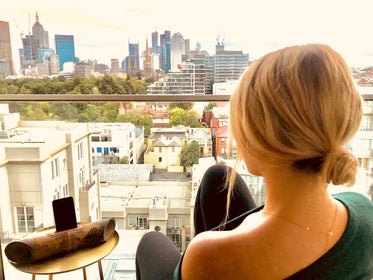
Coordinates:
column 224, row 66
column 29, row 48
column 83, row 69
column 166, row 57
column 155, row 47
column 5, row 49
column 44, row 54
column 41, row 36
column 164, row 39
column 198, row 46
column 147, row 62
column 65, row 48
column 187, row 45
column 132, row 60
column 54, row 64
column 177, row 49
column 114, row 65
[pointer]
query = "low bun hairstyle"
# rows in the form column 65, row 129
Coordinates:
column 299, row 105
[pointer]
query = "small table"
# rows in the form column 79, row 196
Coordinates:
column 71, row 261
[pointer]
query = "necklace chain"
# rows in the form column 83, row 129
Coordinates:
column 328, row 234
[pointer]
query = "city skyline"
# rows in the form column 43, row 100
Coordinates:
column 256, row 27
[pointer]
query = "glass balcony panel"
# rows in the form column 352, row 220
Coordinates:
column 130, row 203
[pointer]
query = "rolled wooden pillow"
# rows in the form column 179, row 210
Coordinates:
column 46, row 244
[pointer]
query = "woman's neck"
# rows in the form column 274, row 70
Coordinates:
column 296, row 195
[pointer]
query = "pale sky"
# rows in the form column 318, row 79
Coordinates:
column 102, row 28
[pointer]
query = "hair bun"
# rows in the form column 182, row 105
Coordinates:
column 341, row 167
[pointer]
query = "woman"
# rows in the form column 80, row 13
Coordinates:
column 291, row 115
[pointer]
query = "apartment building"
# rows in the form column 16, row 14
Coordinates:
column 147, row 205
column 41, row 161
column 189, row 78
column 116, row 142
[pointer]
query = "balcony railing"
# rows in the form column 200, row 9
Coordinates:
column 5, row 98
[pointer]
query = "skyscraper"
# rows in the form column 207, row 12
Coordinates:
column 155, row 47
column 41, row 36
column 147, row 62
column 165, row 52
column 224, row 66
column 65, row 48
column 5, row 48
column 177, row 49
column 132, row 62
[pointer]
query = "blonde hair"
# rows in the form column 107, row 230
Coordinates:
column 298, row 105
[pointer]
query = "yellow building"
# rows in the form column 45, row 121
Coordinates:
column 164, row 152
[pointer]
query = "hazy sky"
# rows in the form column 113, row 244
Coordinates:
column 102, row 28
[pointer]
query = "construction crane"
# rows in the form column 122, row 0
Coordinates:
column 21, row 32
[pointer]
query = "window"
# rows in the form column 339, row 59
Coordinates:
column 130, row 221
column 174, row 222
column 222, row 140
column 55, row 168
column 95, row 138
column 99, row 150
column 142, row 223
column 160, row 159
column 80, row 150
column 65, row 190
column 160, row 149
column 25, row 219
column 173, row 149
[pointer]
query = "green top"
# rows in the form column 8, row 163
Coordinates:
column 351, row 257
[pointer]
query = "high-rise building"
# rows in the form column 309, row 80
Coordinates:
column 5, row 48
column 114, row 65
column 54, row 64
column 224, row 66
column 147, row 62
column 165, row 54
column 190, row 78
column 65, row 48
column 166, row 57
column 29, row 47
column 83, row 69
column 132, row 60
column 44, row 54
column 177, row 49
column 41, row 36
column 155, row 47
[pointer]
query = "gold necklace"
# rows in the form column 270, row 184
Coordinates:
column 328, row 235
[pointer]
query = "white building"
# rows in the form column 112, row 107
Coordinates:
column 39, row 162
column 114, row 142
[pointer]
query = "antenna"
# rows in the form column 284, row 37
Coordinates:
column 29, row 30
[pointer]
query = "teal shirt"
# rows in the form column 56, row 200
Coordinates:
column 351, row 257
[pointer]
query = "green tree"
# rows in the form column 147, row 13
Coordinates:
column 209, row 107
column 110, row 116
column 183, row 117
column 83, row 117
column 93, row 112
column 182, row 105
column 189, row 154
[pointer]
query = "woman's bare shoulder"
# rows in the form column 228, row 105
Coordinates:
column 212, row 255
